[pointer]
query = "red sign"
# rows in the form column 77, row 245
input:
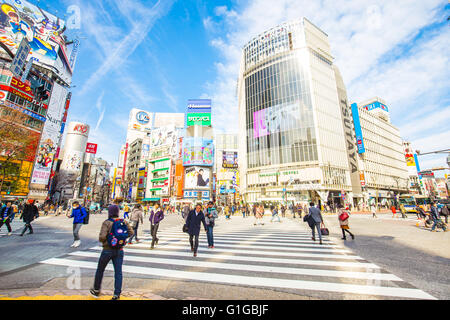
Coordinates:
column 91, row 148
column 81, row 128
column 16, row 83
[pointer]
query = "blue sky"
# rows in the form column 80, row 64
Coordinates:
column 156, row 55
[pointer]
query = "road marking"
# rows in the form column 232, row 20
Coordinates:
column 256, row 281
column 255, row 268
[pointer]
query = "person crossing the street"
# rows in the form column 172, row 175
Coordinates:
column 126, row 211
column 373, row 208
column 193, row 221
column 109, row 253
column 5, row 216
column 29, row 213
column 444, row 212
column 403, row 211
column 156, row 216
column 210, row 216
column 343, row 222
column 78, row 214
column 436, row 219
column 136, row 218
column 316, row 221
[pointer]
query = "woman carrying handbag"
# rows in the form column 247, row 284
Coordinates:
column 343, row 221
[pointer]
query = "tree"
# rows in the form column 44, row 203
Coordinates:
column 16, row 144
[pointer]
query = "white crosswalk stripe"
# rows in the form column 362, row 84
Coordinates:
column 281, row 256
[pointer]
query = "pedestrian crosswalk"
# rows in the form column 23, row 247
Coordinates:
column 277, row 256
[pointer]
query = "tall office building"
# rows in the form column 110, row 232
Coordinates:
column 291, row 133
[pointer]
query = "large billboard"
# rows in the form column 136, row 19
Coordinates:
column 229, row 160
column 50, row 136
column 199, row 106
column 197, row 178
column 198, row 151
column 358, row 130
column 375, row 105
column 20, row 19
column 200, row 119
column 274, row 119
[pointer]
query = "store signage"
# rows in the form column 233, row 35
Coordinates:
column 199, row 106
column 284, row 173
column 80, row 128
column 20, row 58
column 25, row 111
column 202, row 119
column 358, row 130
column 229, row 160
column 376, row 105
column 91, row 148
column 142, row 117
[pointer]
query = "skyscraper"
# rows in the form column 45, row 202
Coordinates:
column 292, row 138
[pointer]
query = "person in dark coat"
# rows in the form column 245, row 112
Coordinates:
column 29, row 213
column 155, row 218
column 314, row 220
column 5, row 216
column 193, row 221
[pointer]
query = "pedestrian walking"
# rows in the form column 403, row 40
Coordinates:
column 444, row 212
column 193, row 221
column 373, row 208
column 243, row 210
column 437, row 222
column 315, row 218
column 343, row 222
column 283, row 211
column 420, row 213
column 78, row 214
column 233, row 209
column 126, row 211
column 156, row 216
column 394, row 212
column 113, row 242
column 275, row 216
column 403, row 211
column 227, row 212
column 136, row 217
column 210, row 217
column 29, row 213
column 5, row 216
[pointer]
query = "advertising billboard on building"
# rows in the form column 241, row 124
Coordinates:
column 229, row 160
column 50, row 136
column 199, row 119
column 72, row 161
column 410, row 160
column 275, row 119
column 358, row 130
column 198, row 151
column 165, row 136
column 375, row 105
column 199, row 106
column 91, row 148
column 179, row 178
column 197, row 178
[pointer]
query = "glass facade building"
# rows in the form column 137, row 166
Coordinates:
column 291, row 129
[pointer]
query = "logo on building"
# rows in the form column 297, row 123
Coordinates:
column 81, row 128
column 142, row 117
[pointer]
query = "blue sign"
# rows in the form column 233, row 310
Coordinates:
column 416, row 159
column 88, row 189
column 199, row 106
column 376, row 105
column 358, row 131
column 142, row 117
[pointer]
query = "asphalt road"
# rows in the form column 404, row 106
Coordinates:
column 274, row 261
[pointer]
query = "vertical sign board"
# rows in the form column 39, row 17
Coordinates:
column 20, row 58
column 358, row 131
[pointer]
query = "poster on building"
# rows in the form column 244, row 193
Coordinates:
column 410, row 160
column 50, row 136
column 229, row 160
column 198, row 151
column 275, row 119
column 165, row 136
column 197, row 178
column 72, row 161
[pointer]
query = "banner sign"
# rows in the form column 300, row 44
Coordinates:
column 229, row 160
column 20, row 59
column 358, row 130
column 376, row 105
column 198, row 151
column 91, row 148
column 197, row 178
column 199, row 106
column 201, row 119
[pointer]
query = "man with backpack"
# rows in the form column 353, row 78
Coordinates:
column 210, row 216
column 79, row 215
column 113, row 236
column 5, row 216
